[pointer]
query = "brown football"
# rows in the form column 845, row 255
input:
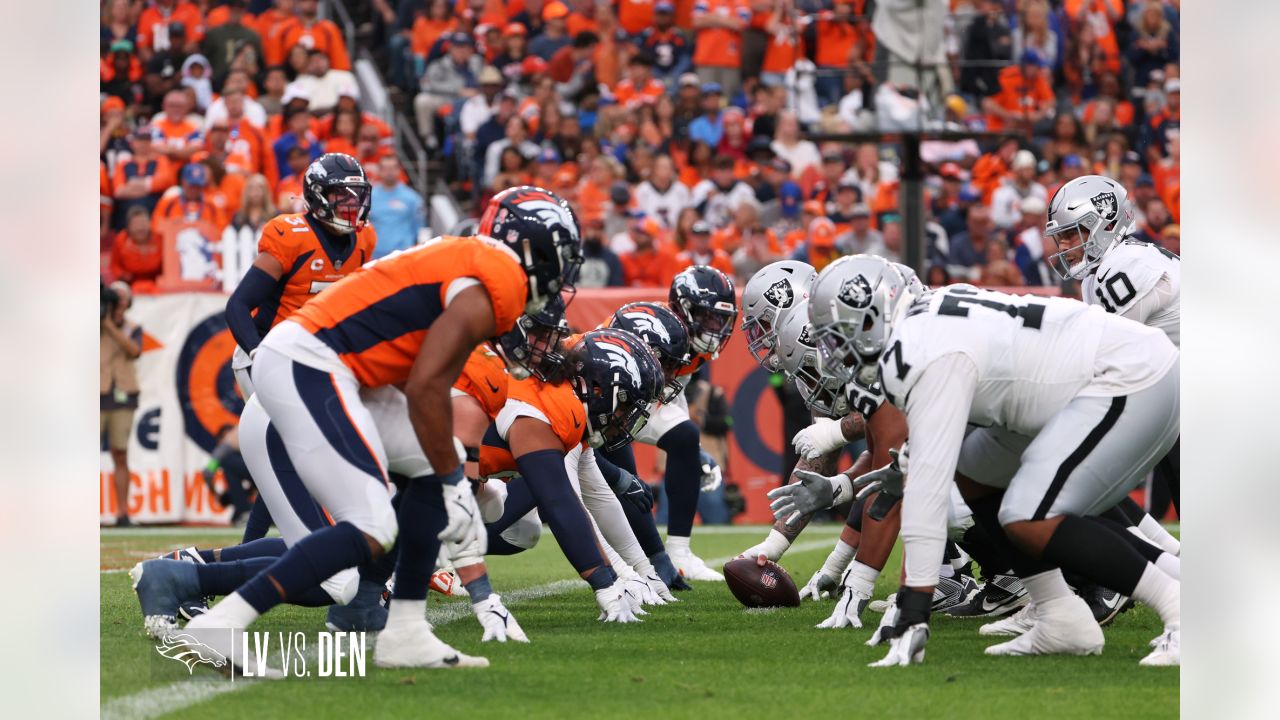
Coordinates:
column 760, row 586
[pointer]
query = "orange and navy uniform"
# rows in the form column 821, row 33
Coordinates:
column 628, row 95
column 310, row 263
column 485, row 378
column 377, row 319
column 558, row 402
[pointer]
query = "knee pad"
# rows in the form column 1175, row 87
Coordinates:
column 383, row 526
column 342, row 586
column 525, row 532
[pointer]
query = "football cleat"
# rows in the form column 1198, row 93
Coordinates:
column 364, row 612
column 1016, row 624
column 668, row 573
column 163, row 586
column 1000, row 595
column 188, row 554
column 692, row 567
column 414, row 645
column 1167, row 650
column 446, row 583
column 953, row 591
column 1106, row 604
column 498, row 622
column 1064, row 626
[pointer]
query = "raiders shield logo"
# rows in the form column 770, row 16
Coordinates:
column 1105, row 204
column 805, row 338
column 855, row 292
column 780, row 294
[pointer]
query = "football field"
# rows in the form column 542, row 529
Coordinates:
column 704, row 657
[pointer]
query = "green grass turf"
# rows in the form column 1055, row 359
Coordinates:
column 704, row 657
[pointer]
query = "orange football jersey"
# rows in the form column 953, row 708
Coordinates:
column 309, row 264
column 484, row 378
column 561, row 406
column 377, row 318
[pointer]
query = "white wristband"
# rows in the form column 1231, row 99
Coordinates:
column 841, row 488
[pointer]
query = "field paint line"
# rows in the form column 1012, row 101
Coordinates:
column 826, row 528
column 158, row 701
column 108, row 531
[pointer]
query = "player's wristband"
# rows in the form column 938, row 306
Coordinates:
column 913, row 608
column 453, row 477
column 841, row 488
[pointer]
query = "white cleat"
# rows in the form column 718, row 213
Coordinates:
column 1064, row 626
column 616, row 604
column 692, row 567
column 498, row 622
column 1016, row 624
column 1167, row 652
column 414, row 645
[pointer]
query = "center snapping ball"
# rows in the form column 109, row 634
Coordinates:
column 760, row 586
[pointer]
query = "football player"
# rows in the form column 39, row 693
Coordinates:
column 704, row 299
column 596, row 395
column 1073, row 408
column 372, row 330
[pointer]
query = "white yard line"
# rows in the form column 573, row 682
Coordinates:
column 162, row 700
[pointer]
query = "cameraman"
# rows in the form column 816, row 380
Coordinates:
column 120, row 344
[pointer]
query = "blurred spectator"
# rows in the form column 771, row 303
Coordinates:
column 117, row 24
column 273, row 85
column 289, row 189
column 667, row 44
column 395, row 210
column 119, row 346
column 1156, row 220
column 478, row 108
column 662, row 196
column 759, row 248
column 987, row 45
column 1171, row 239
column 329, row 82
column 163, row 67
column 600, row 266
column 639, row 86
column 1066, row 138
column 937, row 276
column 512, row 169
column 448, row 80
column 136, row 255
column 846, row 204
column 156, row 26
column 717, row 54
column 140, row 180
column 1006, row 202
column 1155, row 43
column 237, row 84
column 297, row 126
column 113, row 134
column 969, row 248
column 862, row 238
column 653, row 261
column 554, row 31
column 839, row 40
column 998, row 271
column 438, row 21
column 573, row 66
column 177, row 131
column 517, row 136
column 719, row 195
column 745, row 222
column 514, row 50
column 1031, row 247
column 819, row 245
column 223, row 43
column 700, row 251
column 734, row 141
column 1034, row 33
column 256, row 206
column 308, row 30
column 1024, row 99
column 789, row 145
column 708, row 127
column 189, row 201
column 1154, row 141
column 225, row 188
column 891, row 238
column 990, row 169
column 120, row 72
column 197, row 75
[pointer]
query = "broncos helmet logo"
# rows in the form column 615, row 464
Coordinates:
column 780, row 294
column 619, row 358
column 547, row 209
column 647, row 324
column 189, row 651
column 855, row 292
column 1106, row 205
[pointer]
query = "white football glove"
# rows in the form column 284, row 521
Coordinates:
column 822, row 437
column 498, row 622
column 887, row 479
column 712, row 476
column 848, row 611
column 887, row 622
column 660, row 589
column 615, row 605
column 638, row 589
column 812, row 493
column 819, row 587
column 907, row 648
column 465, row 525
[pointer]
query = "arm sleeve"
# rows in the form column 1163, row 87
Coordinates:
column 937, row 413
column 255, row 289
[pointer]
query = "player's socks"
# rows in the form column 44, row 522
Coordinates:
column 678, row 543
column 838, row 560
column 1046, row 586
column 1156, row 533
column 258, row 522
column 1161, row 593
column 562, row 510
column 1170, row 565
column 421, row 517
column 405, row 612
column 264, row 547
column 682, row 477
column 1128, row 512
column 308, row 563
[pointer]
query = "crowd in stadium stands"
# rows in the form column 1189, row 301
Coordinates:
column 680, row 131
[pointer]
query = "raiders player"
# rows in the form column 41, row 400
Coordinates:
column 1074, row 407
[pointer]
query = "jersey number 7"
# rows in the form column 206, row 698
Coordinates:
column 957, row 301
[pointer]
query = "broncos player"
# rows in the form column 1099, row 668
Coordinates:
column 371, row 330
column 704, row 299
column 1072, row 408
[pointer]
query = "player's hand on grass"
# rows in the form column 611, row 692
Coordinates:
column 631, row 489
column 907, row 648
column 819, row 586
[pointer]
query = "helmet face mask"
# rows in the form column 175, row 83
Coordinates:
column 617, row 378
column 337, row 193
column 533, row 347
column 852, row 310
column 1087, row 217
column 798, row 358
column 666, row 335
column 704, row 298
column 769, row 296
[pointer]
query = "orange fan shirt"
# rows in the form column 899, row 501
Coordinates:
column 377, row 319
column 184, row 12
column 310, row 263
column 719, row 47
column 324, row 35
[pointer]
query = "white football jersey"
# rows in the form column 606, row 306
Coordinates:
column 1140, row 281
column 864, row 398
column 1032, row 354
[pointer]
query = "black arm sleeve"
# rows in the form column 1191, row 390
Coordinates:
column 256, row 289
column 610, row 471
